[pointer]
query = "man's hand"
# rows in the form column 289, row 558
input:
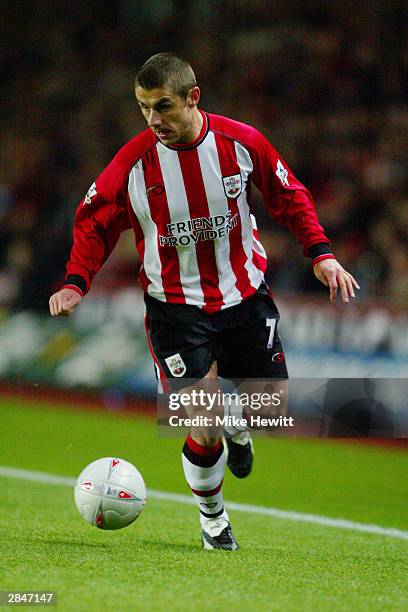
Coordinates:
column 334, row 276
column 63, row 302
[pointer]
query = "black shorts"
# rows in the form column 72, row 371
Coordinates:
column 243, row 339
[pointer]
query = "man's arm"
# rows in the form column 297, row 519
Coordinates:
column 292, row 205
column 97, row 227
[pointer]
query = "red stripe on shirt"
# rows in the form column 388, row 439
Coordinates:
column 229, row 166
column 260, row 262
column 205, row 250
column 159, row 211
column 140, row 245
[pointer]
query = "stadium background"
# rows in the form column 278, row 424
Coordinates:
column 326, row 82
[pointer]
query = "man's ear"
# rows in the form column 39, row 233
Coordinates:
column 193, row 96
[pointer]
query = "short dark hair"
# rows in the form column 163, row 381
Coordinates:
column 167, row 69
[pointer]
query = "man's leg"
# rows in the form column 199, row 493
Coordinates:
column 252, row 358
column 239, row 445
column 204, row 464
column 180, row 341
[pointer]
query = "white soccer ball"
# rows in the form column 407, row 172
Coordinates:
column 110, row 493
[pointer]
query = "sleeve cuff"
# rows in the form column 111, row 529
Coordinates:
column 76, row 282
column 316, row 260
column 74, row 288
column 320, row 248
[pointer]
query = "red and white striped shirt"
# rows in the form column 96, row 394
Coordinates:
column 189, row 207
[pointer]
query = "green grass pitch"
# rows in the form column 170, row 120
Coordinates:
column 158, row 564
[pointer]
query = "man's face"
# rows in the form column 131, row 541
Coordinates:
column 169, row 116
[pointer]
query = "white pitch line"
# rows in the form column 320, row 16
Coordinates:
column 287, row 515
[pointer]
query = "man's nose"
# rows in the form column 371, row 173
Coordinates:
column 154, row 119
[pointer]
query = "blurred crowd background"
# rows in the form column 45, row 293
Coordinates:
column 326, row 82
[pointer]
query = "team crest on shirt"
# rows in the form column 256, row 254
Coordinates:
column 90, row 194
column 176, row 365
column 232, row 185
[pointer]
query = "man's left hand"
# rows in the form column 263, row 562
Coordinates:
column 334, row 276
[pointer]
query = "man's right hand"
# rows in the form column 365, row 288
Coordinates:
column 64, row 302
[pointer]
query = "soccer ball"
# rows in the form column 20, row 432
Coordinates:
column 110, row 493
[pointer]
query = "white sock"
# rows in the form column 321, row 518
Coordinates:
column 233, row 409
column 204, row 472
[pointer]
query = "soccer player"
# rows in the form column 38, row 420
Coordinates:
column 183, row 185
